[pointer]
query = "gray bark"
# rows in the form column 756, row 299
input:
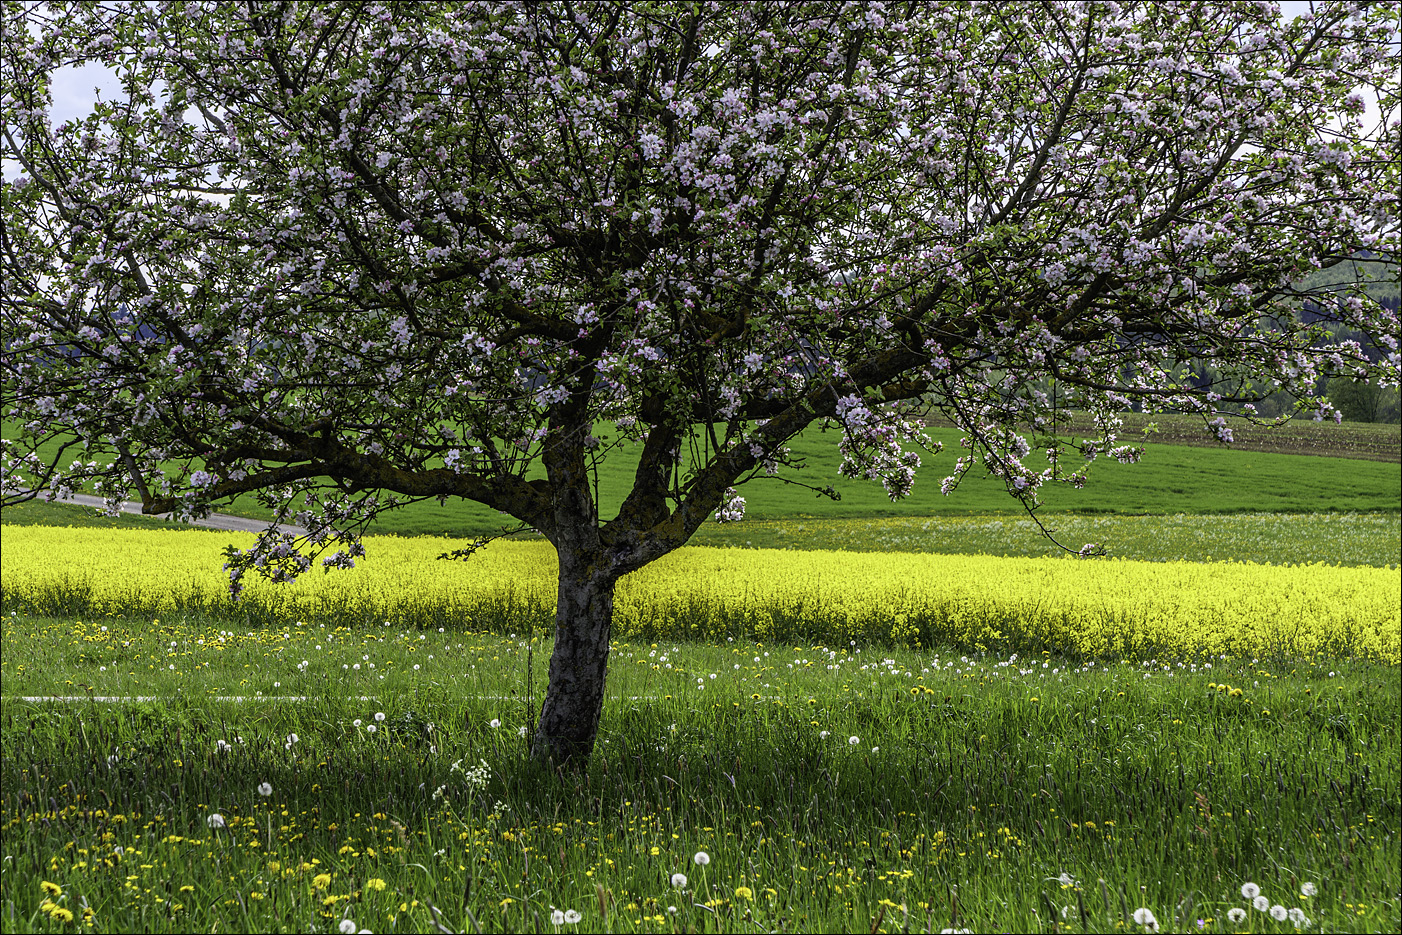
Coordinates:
column 574, row 698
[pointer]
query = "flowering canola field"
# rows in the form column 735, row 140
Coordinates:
column 1091, row 607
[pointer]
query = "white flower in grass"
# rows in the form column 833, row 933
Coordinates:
column 1261, row 903
column 371, row 728
column 1307, row 889
column 1279, row 913
column 494, row 723
column 671, row 910
column 1236, row 914
column 853, row 741
column 822, row 735
column 679, row 880
column 1298, row 917
column 265, row 789
column 1250, row 890
column 346, row 927
column 215, row 821
column 356, row 722
column 702, row 858
column 1145, row 917
column 379, row 715
column 557, row 918
column 571, row 917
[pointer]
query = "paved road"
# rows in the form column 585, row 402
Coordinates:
column 212, row 521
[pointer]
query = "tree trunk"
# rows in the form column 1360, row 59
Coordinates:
column 574, row 698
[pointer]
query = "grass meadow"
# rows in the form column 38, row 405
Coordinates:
column 1285, row 477
column 934, row 725
column 737, row 786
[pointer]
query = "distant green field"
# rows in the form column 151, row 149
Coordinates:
column 1170, row 479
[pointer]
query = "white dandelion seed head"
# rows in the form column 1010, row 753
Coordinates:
column 1297, row 915
column 265, row 789
column 571, row 917
column 1308, row 889
column 371, row 728
column 1236, row 914
column 215, row 820
column 679, row 880
column 1250, row 890
column 853, row 741
column 702, row 858
column 379, row 715
column 346, row 926
column 557, row 918
column 494, row 723
column 1279, row 913
column 1261, row 903
column 1144, row 916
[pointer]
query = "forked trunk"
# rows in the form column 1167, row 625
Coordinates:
column 574, row 698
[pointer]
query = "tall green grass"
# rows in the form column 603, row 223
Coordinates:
column 831, row 788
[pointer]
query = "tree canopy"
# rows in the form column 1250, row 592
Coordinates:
column 345, row 255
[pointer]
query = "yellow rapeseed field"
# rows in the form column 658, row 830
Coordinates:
column 1097, row 608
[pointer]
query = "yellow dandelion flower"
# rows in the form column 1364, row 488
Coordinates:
column 321, row 881
column 61, row 914
column 375, row 883
column 53, row 889
column 744, row 892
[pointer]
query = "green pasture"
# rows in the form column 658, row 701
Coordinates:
column 829, row 788
column 1170, row 479
column 1373, row 539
